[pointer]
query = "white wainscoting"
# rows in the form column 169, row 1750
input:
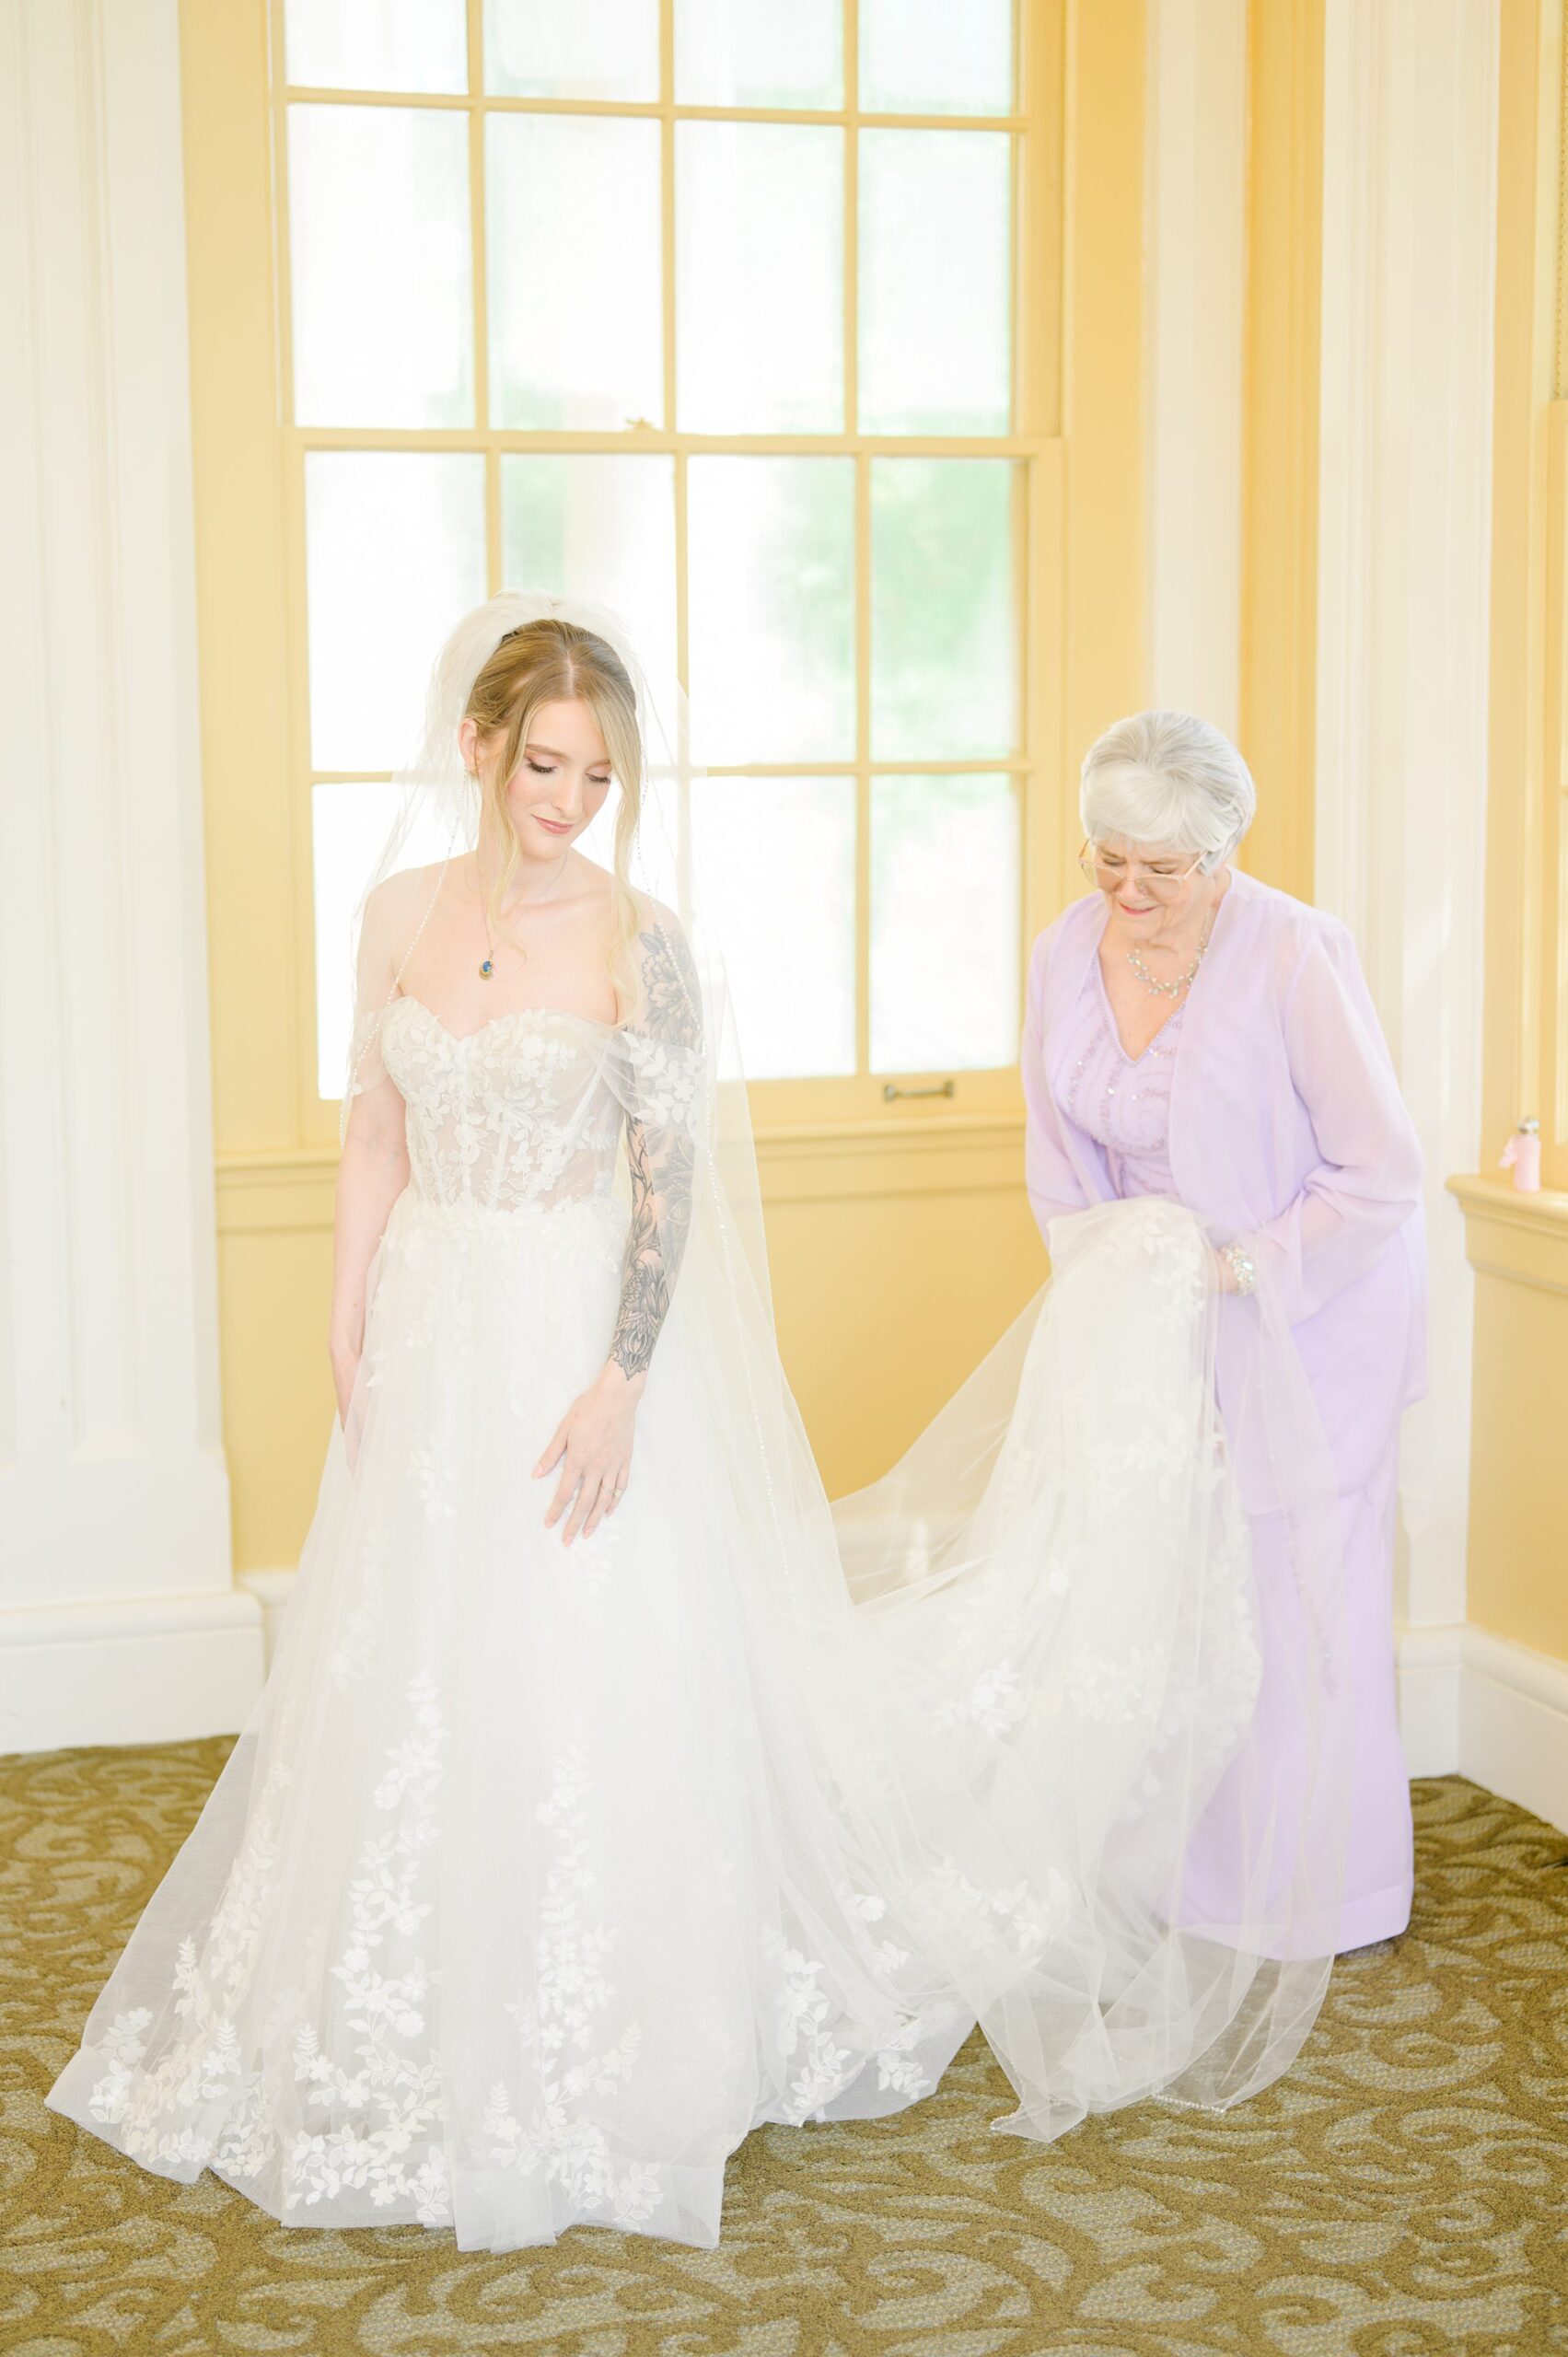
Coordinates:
column 1477, row 1705
column 119, row 1617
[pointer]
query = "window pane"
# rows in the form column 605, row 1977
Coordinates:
column 759, row 278
column 770, row 547
column 349, row 823
column 735, row 53
column 936, row 56
column 776, row 856
column 571, row 49
column 377, row 44
column 599, row 527
column 944, row 924
column 394, row 554
column 382, row 271
column 935, row 278
column 943, row 642
column 574, row 270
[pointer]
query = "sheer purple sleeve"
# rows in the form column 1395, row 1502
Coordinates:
column 1367, row 1182
column 1054, row 1183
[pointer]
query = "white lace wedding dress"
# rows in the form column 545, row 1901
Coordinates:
column 539, row 1875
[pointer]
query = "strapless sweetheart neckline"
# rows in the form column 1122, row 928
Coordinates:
column 512, row 1015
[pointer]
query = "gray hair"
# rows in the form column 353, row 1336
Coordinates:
column 1167, row 778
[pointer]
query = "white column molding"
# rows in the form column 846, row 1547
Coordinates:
column 119, row 1616
column 1410, row 167
column 1196, row 263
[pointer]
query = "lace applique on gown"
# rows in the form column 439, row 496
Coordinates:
column 539, row 1876
column 527, row 1910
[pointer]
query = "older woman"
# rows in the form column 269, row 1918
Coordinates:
column 1192, row 1032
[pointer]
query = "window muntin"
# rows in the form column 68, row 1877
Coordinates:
column 827, row 531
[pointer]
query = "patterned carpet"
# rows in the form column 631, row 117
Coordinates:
column 1400, row 2193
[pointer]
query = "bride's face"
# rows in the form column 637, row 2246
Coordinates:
column 561, row 780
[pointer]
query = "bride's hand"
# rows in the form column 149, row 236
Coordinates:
column 592, row 1445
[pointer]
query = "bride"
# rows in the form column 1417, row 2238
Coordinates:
column 610, row 1794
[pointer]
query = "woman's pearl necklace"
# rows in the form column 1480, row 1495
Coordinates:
column 1183, row 982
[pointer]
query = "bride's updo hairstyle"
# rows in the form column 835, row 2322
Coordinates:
column 1167, row 778
column 550, row 661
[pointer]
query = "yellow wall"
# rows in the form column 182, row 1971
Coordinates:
column 899, row 1249
column 1518, row 1555
column 1279, row 627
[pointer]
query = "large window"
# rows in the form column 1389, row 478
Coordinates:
column 709, row 309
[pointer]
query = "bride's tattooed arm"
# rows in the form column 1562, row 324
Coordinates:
column 660, row 1156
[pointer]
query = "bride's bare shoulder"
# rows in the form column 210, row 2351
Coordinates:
column 653, row 918
column 394, row 909
column 405, row 888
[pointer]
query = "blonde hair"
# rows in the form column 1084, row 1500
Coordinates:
column 551, row 661
column 1168, row 777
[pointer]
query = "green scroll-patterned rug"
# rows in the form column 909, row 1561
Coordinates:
column 1403, row 2191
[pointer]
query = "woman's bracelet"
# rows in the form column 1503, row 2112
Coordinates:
column 1243, row 1267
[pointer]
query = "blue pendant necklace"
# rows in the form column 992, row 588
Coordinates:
column 487, row 965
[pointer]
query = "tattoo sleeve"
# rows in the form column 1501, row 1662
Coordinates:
column 660, row 1152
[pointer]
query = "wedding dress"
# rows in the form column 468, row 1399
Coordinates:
column 539, row 1875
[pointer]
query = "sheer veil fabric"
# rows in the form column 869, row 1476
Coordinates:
column 849, row 1779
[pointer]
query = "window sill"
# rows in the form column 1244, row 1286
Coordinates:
column 796, row 1162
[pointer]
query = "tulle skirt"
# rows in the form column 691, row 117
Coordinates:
column 521, row 1898
column 539, row 1875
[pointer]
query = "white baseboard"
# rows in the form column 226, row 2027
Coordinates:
column 271, row 1591
column 1429, row 1662
column 1514, row 1724
column 137, row 1670
column 1474, row 1704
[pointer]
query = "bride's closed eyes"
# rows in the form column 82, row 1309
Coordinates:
column 548, row 769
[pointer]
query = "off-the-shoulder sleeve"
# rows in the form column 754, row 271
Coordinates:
column 394, row 916
column 1053, row 1184
column 1367, row 1181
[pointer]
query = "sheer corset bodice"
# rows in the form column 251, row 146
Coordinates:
column 520, row 1113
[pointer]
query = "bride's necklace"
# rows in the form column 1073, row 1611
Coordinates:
column 487, row 968
column 1183, row 981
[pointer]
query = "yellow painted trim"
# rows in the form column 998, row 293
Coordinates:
column 1103, row 655
column 493, row 102
column 241, row 602
column 858, row 1193
column 796, row 1162
column 1528, row 581
column 1279, row 595
column 1035, row 232
column 646, row 438
column 1550, row 922
column 1521, row 1237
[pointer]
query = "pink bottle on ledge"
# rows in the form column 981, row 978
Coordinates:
column 1522, row 1154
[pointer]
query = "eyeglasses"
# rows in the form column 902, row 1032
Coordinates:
column 1109, row 871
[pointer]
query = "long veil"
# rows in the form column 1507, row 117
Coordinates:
column 1031, row 1656
column 981, row 1743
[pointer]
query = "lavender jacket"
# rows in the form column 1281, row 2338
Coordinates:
column 1288, row 1129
